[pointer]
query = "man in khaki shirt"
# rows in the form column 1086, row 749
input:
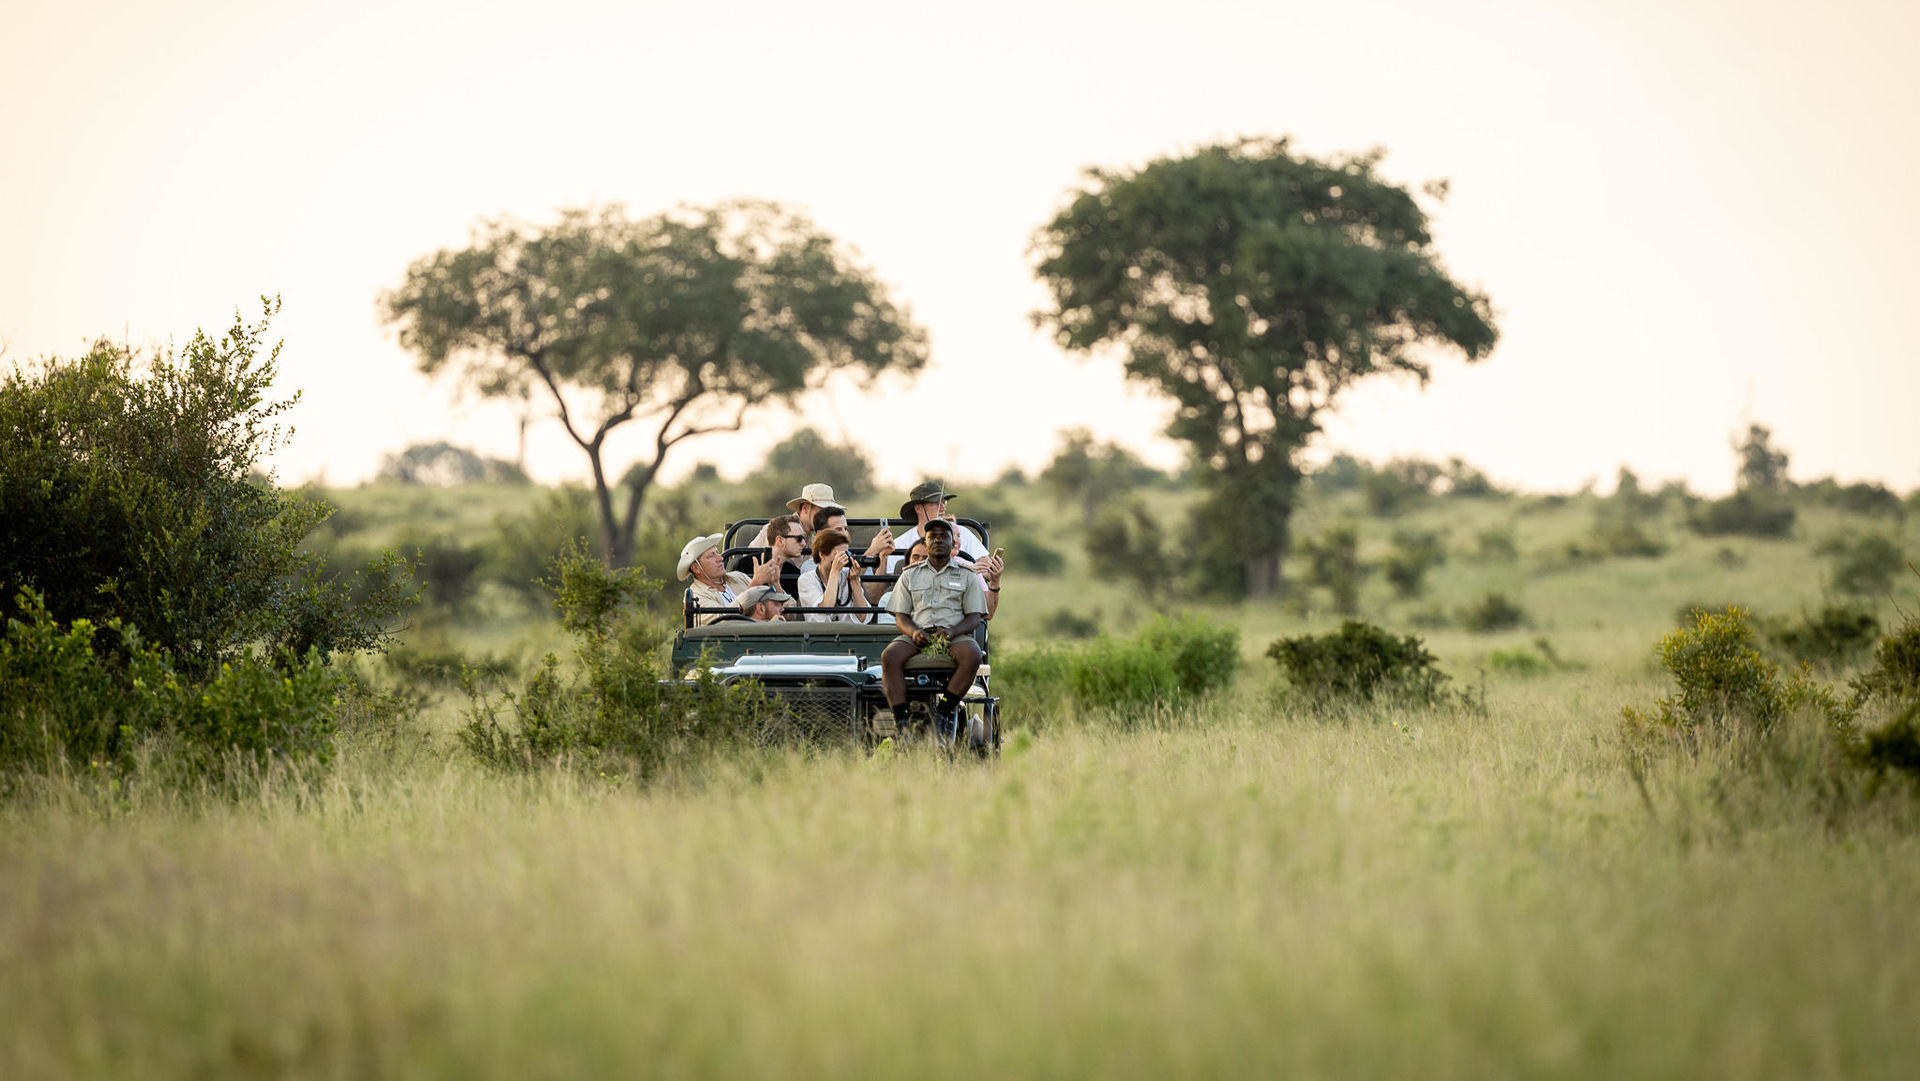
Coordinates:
column 713, row 585
column 935, row 597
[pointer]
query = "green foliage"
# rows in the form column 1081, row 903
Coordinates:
column 1835, row 636
column 621, row 711
column 1862, row 498
column 1722, row 683
column 1333, row 564
column 526, row 545
column 1093, row 474
column 1414, row 553
column 1894, row 675
column 694, row 313
column 81, row 692
column 129, row 495
column 1251, row 285
column 1866, row 566
column 1131, row 547
column 1399, row 485
column 1360, row 663
column 1763, row 467
column 446, row 569
column 1170, row 664
column 1541, row 659
column 806, row 457
column 444, row 465
column 1745, row 513
column 1027, row 554
column 1496, row 544
column 1492, row 612
column 1067, row 623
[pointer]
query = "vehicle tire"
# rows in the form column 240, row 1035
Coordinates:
column 980, row 735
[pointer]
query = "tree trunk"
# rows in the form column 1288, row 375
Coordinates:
column 603, row 501
column 1262, row 571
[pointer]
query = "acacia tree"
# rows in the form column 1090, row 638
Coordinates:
column 1252, row 285
column 680, row 323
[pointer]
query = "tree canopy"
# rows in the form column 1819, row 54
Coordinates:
column 681, row 322
column 1252, row 285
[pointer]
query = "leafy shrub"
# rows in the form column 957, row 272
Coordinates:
column 1522, row 661
column 1689, row 613
column 524, row 546
column 1864, row 498
column 443, row 665
column 1171, row 663
column 1131, row 546
column 131, row 494
column 1412, row 556
column 623, row 711
column 1894, row 675
column 1360, row 663
column 446, row 569
column 1747, row 513
column 1067, row 623
column 87, row 692
column 1722, row 682
column 1836, row 635
column 1398, row 485
column 1866, row 566
column 1627, row 538
column 1026, row 554
column 1493, row 612
column 1496, row 545
column 1333, row 564
column 445, row 465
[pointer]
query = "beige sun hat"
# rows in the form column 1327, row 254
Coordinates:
column 820, row 495
column 694, row 550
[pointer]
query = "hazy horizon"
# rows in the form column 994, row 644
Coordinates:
column 1688, row 220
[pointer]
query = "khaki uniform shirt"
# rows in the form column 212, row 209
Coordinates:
column 937, row 598
column 706, row 596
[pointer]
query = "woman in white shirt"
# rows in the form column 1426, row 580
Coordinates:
column 835, row 574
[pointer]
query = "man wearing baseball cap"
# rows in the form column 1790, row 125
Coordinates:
column 937, row 597
column 713, row 585
column 764, row 604
column 928, row 501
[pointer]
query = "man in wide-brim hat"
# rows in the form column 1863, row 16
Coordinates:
column 928, row 501
column 812, row 497
column 713, row 585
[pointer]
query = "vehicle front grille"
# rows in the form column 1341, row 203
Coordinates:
column 826, row 711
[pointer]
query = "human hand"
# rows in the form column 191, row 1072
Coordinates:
column 882, row 543
column 990, row 569
column 921, row 637
column 836, row 562
column 765, row 571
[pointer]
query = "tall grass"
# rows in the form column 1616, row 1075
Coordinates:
column 1412, row 894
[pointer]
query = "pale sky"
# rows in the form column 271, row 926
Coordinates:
column 1689, row 215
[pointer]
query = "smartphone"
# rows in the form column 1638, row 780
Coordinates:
column 999, row 552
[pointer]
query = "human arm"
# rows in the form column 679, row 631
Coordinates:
column 989, row 570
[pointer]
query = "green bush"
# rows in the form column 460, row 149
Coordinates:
column 622, row 711
column 1541, row 659
column 1836, row 635
column 1722, row 682
column 1496, row 545
column 1360, row 663
column 1026, row 554
column 1492, row 612
column 1747, row 513
column 82, row 692
column 1067, row 623
column 1414, row 553
column 1169, row 664
column 1333, row 564
column 524, row 546
column 1894, row 676
column 131, row 493
column 1866, row 566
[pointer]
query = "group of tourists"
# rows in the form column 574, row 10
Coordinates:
column 947, row 583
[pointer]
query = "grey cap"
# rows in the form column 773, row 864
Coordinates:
column 752, row 597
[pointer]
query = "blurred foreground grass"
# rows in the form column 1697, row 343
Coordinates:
column 1414, row 895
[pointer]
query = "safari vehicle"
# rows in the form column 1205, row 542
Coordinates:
column 826, row 675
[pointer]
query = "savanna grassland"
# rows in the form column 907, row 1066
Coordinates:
column 1246, row 886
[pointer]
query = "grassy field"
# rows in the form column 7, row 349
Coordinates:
column 1243, row 890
